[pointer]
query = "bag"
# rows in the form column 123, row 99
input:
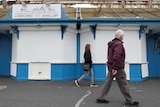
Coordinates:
column 86, row 67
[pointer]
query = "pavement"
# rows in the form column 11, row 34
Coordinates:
column 14, row 93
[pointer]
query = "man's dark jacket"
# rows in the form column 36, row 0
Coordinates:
column 116, row 54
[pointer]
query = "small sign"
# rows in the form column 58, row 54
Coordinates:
column 32, row 11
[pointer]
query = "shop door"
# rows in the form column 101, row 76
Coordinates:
column 5, row 54
column 39, row 71
column 153, row 55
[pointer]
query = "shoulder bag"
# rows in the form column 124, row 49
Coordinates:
column 86, row 67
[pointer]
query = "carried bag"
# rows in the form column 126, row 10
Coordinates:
column 86, row 67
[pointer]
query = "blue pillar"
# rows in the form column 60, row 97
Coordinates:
column 78, row 69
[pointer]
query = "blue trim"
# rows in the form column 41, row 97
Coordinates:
column 56, row 72
column 82, row 21
column 69, row 71
column 136, row 73
column 99, row 72
column 79, row 67
column 61, row 72
column 22, row 71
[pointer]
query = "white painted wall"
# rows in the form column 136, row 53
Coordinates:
column 143, row 53
column 14, row 55
column 131, row 46
column 135, row 48
column 14, row 47
column 102, row 39
column 13, row 69
column 104, row 34
column 41, row 45
column 86, row 38
column 143, row 49
column 69, row 47
column 44, row 44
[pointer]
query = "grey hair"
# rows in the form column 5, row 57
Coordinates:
column 119, row 33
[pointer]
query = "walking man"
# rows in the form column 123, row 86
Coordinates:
column 115, row 64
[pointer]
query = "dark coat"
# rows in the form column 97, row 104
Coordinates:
column 116, row 54
column 88, row 57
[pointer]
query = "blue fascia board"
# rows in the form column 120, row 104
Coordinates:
column 122, row 21
column 84, row 21
column 37, row 21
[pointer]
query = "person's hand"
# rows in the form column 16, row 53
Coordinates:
column 114, row 72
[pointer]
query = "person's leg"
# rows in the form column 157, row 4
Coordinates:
column 123, row 85
column 106, row 86
column 91, row 75
column 83, row 76
column 92, row 84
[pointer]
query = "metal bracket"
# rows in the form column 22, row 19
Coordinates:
column 63, row 30
column 142, row 30
column 15, row 30
column 93, row 30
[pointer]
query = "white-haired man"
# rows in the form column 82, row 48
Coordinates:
column 115, row 64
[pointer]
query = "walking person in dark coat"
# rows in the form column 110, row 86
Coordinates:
column 115, row 64
column 88, row 60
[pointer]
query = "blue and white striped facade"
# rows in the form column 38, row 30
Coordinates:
column 42, row 53
column 53, row 49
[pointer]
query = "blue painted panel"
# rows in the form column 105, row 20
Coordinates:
column 79, row 70
column 69, row 71
column 22, row 72
column 56, row 72
column 99, row 72
column 5, row 54
column 135, row 72
column 63, row 71
column 153, row 58
column 158, row 64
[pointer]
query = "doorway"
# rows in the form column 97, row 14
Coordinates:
column 153, row 55
column 5, row 54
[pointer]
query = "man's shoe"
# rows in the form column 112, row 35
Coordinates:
column 135, row 103
column 77, row 83
column 102, row 101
